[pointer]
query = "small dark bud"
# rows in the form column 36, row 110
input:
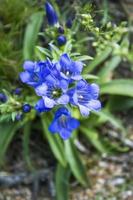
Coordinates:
column 26, row 108
column 61, row 40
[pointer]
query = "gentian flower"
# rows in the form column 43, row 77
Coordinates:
column 3, row 98
column 51, row 14
column 63, row 123
column 26, row 108
column 61, row 40
column 35, row 72
column 85, row 96
column 53, row 92
column 69, row 69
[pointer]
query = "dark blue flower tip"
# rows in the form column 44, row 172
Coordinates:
column 40, row 106
column 63, row 123
column 3, row 98
column 19, row 116
column 61, row 30
column 61, row 40
column 51, row 14
column 69, row 23
column 17, row 91
column 26, row 108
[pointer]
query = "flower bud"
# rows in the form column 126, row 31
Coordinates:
column 51, row 14
column 61, row 40
column 3, row 98
column 69, row 23
column 61, row 30
column 26, row 108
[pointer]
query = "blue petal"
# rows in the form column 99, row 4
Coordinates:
column 64, row 99
column 29, row 66
column 95, row 90
column 76, row 77
column 94, row 105
column 84, row 110
column 81, row 84
column 62, row 111
column 72, row 123
column 49, row 103
column 65, row 61
column 40, row 107
column 64, row 85
column 77, row 66
column 25, row 77
column 65, row 134
column 41, row 90
column 54, row 128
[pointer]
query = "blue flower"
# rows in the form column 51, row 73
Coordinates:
column 51, row 14
column 53, row 92
column 85, row 96
column 40, row 106
column 35, row 72
column 3, row 98
column 26, row 108
column 69, row 69
column 61, row 40
column 63, row 123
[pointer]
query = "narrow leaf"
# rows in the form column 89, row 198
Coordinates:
column 54, row 142
column 105, row 72
column 62, row 182
column 75, row 163
column 31, row 35
column 118, row 87
column 93, row 136
column 98, row 60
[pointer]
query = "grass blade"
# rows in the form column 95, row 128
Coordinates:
column 98, row 60
column 62, row 182
column 55, row 143
column 118, row 87
column 31, row 35
column 75, row 162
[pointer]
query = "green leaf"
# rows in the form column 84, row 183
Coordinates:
column 31, row 34
column 83, row 58
column 105, row 115
column 42, row 53
column 55, row 143
column 93, row 136
column 26, row 141
column 75, row 163
column 105, row 72
column 7, row 132
column 89, row 76
column 115, row 103
column 118, row 87
column 98, row 60
column 62, row 182
column 55, row 51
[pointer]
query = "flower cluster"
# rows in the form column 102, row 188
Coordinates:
column 61, row 84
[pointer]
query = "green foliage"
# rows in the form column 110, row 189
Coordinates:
column 62, row 182
column 31, row 35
